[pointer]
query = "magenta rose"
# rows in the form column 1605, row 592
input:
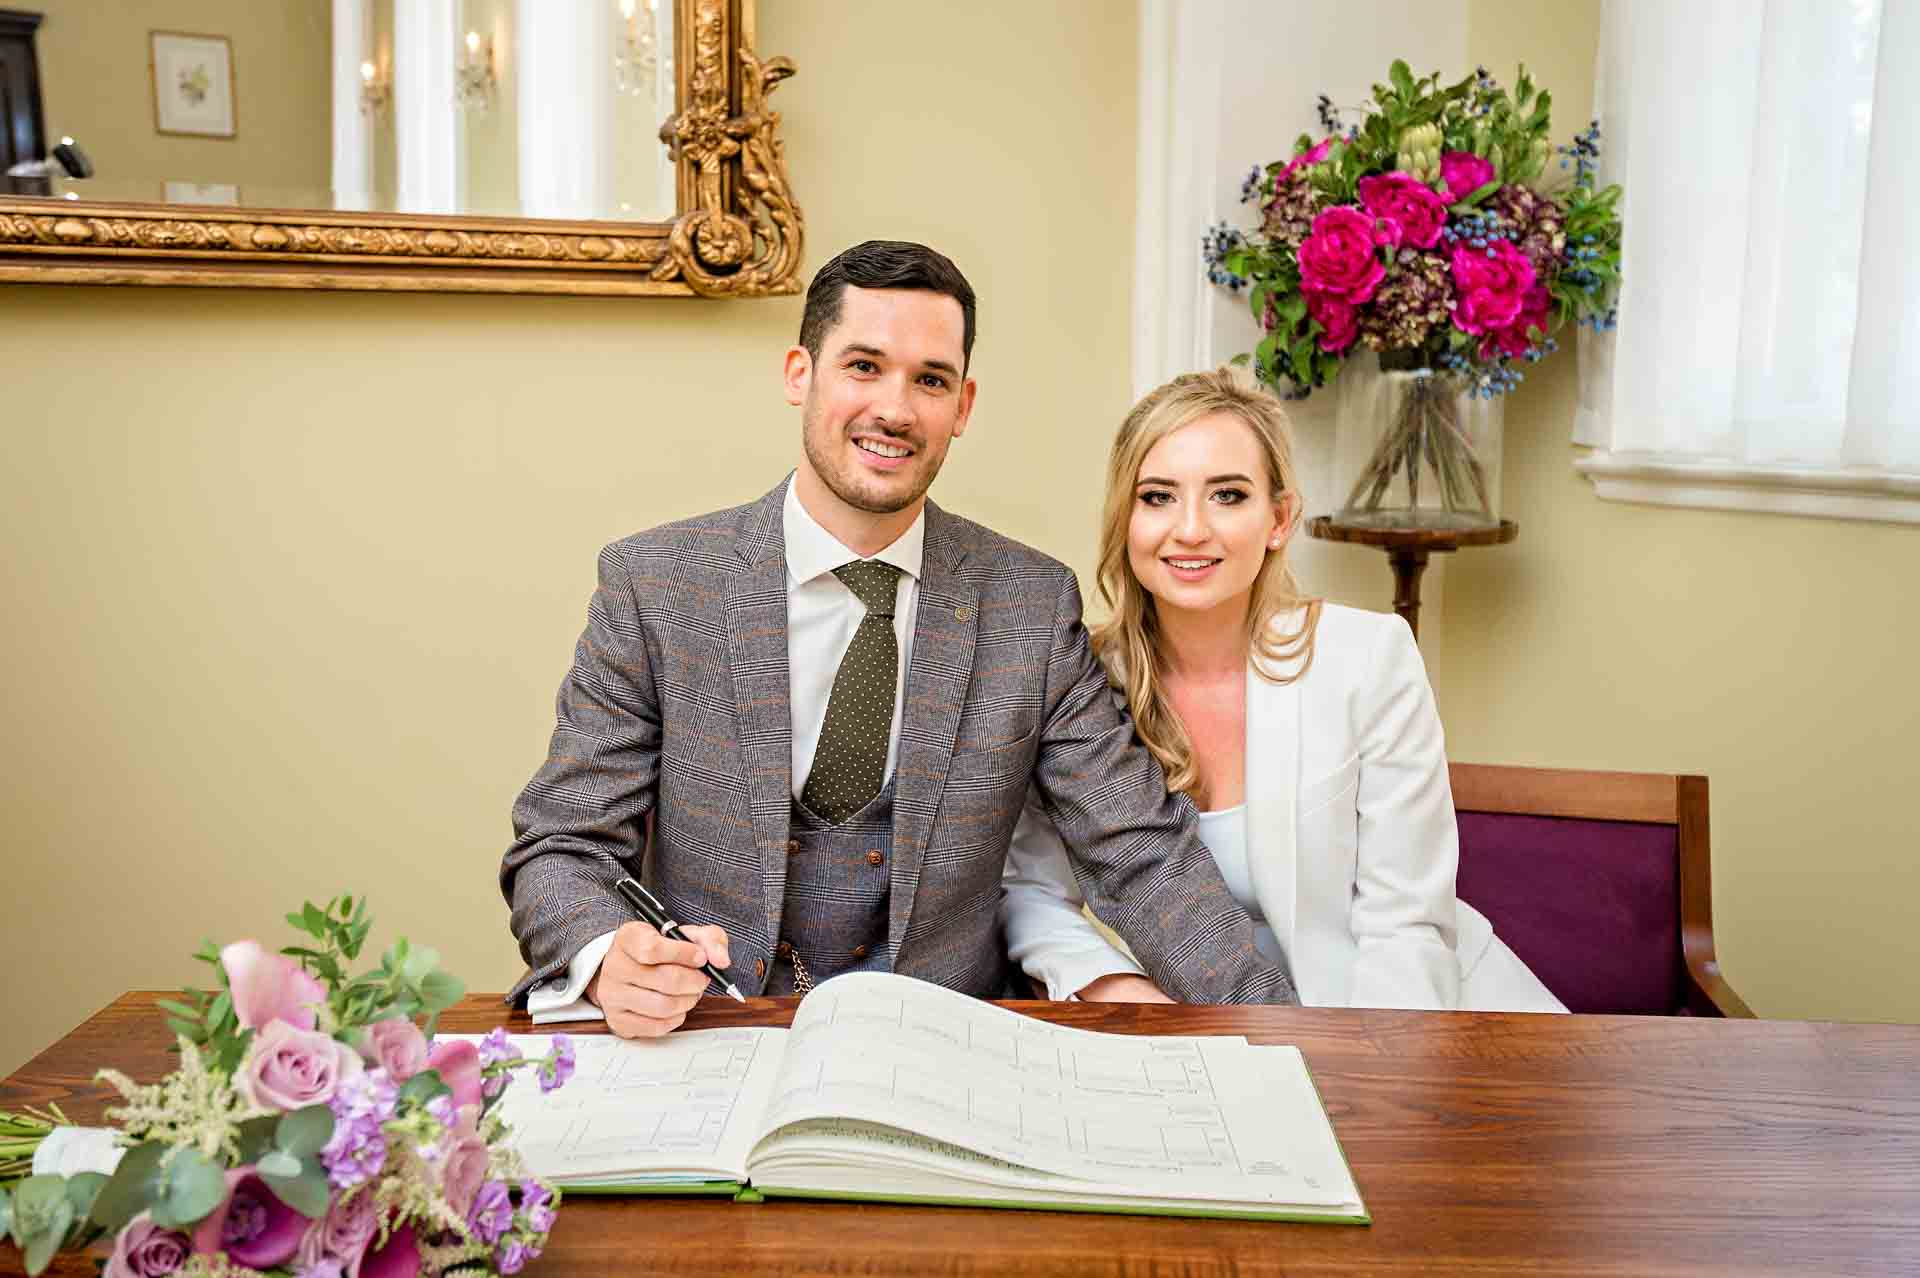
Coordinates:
column 1341, row 255
column 253, row 1227
column 145, row 1250
column 397, row 1046
column 269, row 987
column 458, row 1063
column 1306, row 159
column 1410, row 210
column 1514, row 340
column 1492, row 284
column 397, row 1257
column 286, row 1068
column 1339, row 317
column 1462, row 173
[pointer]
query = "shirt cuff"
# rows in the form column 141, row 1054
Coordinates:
column 564, row 998
column 1068, row 974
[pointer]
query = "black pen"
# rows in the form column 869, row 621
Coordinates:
column 655, row 913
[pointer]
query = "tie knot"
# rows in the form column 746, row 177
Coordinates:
column 872, row 583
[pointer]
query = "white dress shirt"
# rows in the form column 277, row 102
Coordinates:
column 822, row 615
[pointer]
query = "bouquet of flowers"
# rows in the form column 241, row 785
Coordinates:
column 1427, row 230
column 312, row 1128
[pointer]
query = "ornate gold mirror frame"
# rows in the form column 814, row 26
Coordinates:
column 738, row 232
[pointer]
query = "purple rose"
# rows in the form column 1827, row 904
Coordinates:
column 397, row 1257
column 1462, row 173
column 1306, row 159
column 1492, row 284
column 341, row 1236
column 492, row 1212
column 397, row 1046
column 288, row 1068
column 253, row 1227
column 145, row 1250
column 1411, row 211
column 458, row 1063
column 269, row 987
column 1339, row 317
column 1340, row 255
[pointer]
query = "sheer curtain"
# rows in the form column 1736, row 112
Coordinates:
column 1769, row 332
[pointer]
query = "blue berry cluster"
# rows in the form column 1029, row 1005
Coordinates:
column 1576, row 270
column 1603, row 323
column 1583, row 155
column 1214, row 247
column 1478, row 229
column 1250, row 185
column 1329, row 116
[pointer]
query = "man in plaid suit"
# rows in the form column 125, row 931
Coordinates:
column 827, row 709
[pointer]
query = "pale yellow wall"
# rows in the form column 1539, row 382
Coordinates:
column 1772, row 653
column 97, row 87
column 291, row 578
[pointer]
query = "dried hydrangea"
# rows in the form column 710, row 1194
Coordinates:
column 1415, row 297
column 1287, row 217
column 1534, row 224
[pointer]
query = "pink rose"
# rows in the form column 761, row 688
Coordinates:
column 1492, row 284
column 458, row 1062
column 288, row 1069
column 145, row 1250
column 397, row 1257
column 1462, row 173
column 397, row 1046
column 341, row 1236
column 253, row 1227
column 269, row 987
column 1306, row 159
column 465, row 1166
column 1411, row 211
column 1338, row 316
column 1341, row 255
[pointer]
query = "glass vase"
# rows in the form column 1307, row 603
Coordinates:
column 1413, row 450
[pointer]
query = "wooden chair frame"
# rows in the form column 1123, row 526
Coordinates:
column 1679, row 801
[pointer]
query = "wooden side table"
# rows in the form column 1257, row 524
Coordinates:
column 1408, row 550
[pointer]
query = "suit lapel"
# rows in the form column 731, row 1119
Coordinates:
column 757, row 655
column 945, row 624
column 1273, row 785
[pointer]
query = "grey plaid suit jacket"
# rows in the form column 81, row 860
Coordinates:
column 676, row 706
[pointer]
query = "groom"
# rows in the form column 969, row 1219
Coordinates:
column 816, row 718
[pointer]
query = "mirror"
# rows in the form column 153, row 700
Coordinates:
column 599, row 146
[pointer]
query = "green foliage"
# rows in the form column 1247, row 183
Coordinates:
column 132, row 1187
column 189, row 1186
column 42, row 1215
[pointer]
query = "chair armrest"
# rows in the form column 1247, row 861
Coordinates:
column 1708, row 993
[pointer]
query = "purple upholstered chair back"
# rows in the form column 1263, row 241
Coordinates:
column 1593, row 907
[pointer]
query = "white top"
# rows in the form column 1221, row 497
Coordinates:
column 1225, row 834
column 822, row 615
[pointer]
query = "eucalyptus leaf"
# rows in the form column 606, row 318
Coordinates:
column 256, row 1138
column 82, row 1189
column 191, row 1186
column 305, row 1191
column 6, row 1212
column 304, row 1131
column 40, row 1245
column 41, row 1214
column 419, row 964
column 278, row 1162
column 441, row 990
column 131, row 1189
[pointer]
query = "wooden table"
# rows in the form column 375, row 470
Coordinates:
column 1408, row 550
column 1482, row 1143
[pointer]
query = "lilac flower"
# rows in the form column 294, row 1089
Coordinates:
column 557, row 1068
column 358, row 1149
column 513, row 1256
column 496, row 1047
column 492, row 1212
column 537, row 1202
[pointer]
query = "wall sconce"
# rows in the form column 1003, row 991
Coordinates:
column 638, row 55
column 376, row 89
column 474, row 76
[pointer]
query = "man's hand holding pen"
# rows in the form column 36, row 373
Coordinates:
column 648, row 982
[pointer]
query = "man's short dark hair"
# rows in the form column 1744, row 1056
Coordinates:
column 883, row 264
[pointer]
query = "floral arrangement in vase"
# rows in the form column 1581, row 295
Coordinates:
column 1434, row 230
column 313, row 1128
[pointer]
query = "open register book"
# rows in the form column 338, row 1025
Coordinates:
column 890, row 1088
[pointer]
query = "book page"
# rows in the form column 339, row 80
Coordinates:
column 1169, row 1116
column 665, row 1110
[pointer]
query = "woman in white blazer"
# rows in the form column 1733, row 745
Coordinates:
column 1305, row 733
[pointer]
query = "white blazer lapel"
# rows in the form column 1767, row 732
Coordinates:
column 1273, row 783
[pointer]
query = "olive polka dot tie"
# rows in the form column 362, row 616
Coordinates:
column 851, row 761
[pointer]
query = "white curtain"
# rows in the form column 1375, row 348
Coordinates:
column 1770, row 310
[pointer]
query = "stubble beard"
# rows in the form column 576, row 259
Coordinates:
column 862, row 493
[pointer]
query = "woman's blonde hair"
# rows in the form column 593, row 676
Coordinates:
column 1129, row 643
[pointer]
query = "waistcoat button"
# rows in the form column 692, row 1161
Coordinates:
column 859, row 951
column 759, row 969
column 874, row 857
column 793, row 846
column 783, row 950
